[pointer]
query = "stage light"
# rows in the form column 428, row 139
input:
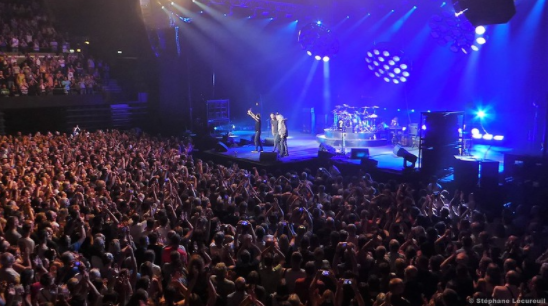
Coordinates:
column 319, row 22
column 474, row 47
column 403, row 128
column 87, row 42
column 407, row 156
column 481, row 40
column 309, row 53
column 460, row 130
column 406, row 73
column 477, row 136
column 78, row 50
column 481, row 114
column 480, row 30
column 498, row 137
column 487, row 136
column 119, row 52
column 371, row 67
column 424, row 127
column 71, row 51
column 452, row 30
column 172, row 3
column 326, row 58
column 385, row 56
column 377, row 74
column 475, row 131
column 317, row 39
column 162, row 7
column 413, row 110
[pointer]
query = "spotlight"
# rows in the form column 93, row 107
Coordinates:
column 481, row 40
column 162, row 7
column 498, row 137
column 326, row 58
column 78, row 50
column 480, row 30
column 477, row 136
column 319, row 22
column 317, row 39
column 403, row 128
column 172, row 3
column 71, row 50
column 487, row 136
column 309, row 53
column 475, row 131
column 385, row 56
column 406, row 73
column 87, row 42
column 407, row 156
column 317, row 57
column 474, row 48
column 424, row 127
column 481, row 114
column 119, row 52
column 348, row 17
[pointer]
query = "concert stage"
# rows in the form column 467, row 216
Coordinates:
column 303, row 150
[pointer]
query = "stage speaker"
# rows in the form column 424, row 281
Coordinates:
column 466, row 172
column 360, row 153
column 326, row 148
column 268, row 156
column 408, row 157
column 489, row 174
column 483, row 12
column 221, row 147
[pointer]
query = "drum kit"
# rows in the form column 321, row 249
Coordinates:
column 355, row 119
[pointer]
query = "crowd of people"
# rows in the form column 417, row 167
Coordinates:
column 122, row 218
column 26, row 29
column 64, row 74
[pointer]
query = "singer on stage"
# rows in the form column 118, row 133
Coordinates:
column 257, row 136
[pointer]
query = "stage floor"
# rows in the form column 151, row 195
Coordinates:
column 303, row 147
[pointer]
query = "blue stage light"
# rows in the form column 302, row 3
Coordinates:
column 498, row 137
column 475, row 131
column 481, row 114
column 319, row 22
column 480, row 30
column 487, row 136
column 481, row 40
column 326, row 58
column 424, row 127
column 309, row 53
column 317, row 57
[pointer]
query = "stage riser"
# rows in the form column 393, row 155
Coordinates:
column 356, row 143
